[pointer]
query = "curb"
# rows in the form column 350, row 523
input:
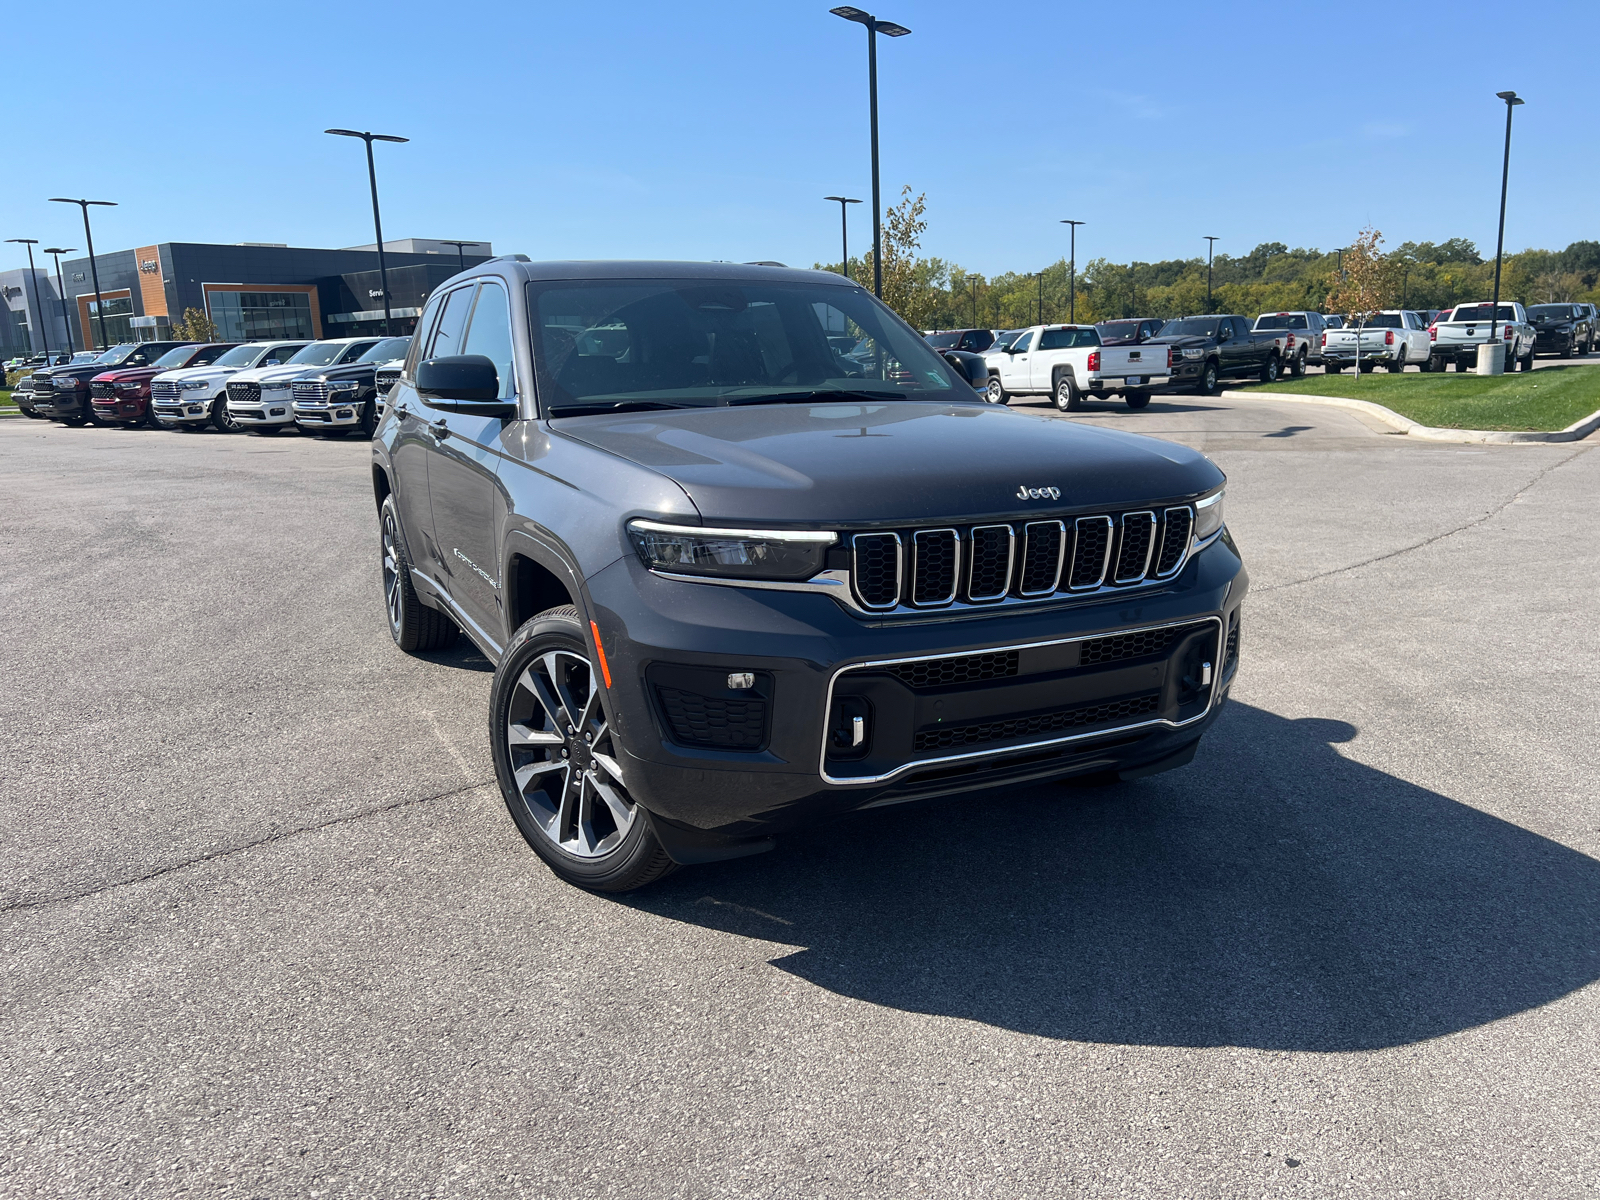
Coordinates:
column 1432, row 433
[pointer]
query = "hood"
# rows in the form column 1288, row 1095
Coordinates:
column 355, row 370
column 210, row 372
column 126, row 374
column 900, row 462
column 1178, row 339
column 260, row 374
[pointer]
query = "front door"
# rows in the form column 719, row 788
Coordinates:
column 1015, row 367
column 463, row 480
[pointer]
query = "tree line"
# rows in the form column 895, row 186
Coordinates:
column 934, row 293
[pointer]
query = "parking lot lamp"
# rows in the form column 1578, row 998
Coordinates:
column 974, row 301
column 41, row 317
column 1211, row 244
column 94, row 272
column 874, row 28
column 377, row 221
column 1072, row 274
column 844, row 232
column 1512, row 100
column 461, row 253
column 56, row 252
column 1040, row 278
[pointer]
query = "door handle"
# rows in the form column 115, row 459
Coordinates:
column 440, row 427
column 400, row 410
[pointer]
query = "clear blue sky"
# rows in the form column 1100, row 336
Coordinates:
column 712, row 130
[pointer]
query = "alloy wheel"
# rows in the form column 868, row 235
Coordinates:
column 563, row 759
column 393, row 598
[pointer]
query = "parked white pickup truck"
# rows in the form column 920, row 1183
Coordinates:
column 1066, row 362
column 1393, row 339
column 1302, row 337
column 1457, row 335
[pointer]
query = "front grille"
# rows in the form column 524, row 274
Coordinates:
column 1052, row 722
column 932, row 568
column 165, row 391
column 965, row 668
column 1120, row 646
column 386, row 380
column 713, row 722
column 41, row 385
column 244, row 393
column 310, row 391
column 102, row 391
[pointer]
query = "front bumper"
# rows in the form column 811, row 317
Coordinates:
column 1555, row 343
column 274, row 408
column 62, row 403
column 329, row 414
column 1048, row 714
column 121, row 409
column 191, row 408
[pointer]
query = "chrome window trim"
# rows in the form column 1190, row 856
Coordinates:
column 899, row 572
column 914, row 764
column 1149, row 550
column 1011, row 563
column 1105, row 563
column 1061, row 554
column 955, row 579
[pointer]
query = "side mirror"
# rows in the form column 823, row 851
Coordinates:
column 463, row 383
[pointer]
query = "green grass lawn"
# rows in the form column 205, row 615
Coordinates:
column 1547, row 399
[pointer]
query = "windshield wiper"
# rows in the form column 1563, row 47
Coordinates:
column 616, row 406
column 811, row 394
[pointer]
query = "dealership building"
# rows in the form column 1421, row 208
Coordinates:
column 250, row 290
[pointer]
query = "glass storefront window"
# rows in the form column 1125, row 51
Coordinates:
column 119, row 320
column 260, row 316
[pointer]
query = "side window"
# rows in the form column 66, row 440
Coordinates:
column 355, row 350
column 1025, row 342
column 452, row 322
column 1239, row 327
column 490, row 336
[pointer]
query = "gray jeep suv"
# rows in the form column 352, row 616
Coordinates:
column 734, row 580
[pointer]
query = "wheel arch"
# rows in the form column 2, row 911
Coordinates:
column 536, row 578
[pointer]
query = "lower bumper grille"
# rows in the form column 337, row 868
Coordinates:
column 1041, row 723
column 713, row 722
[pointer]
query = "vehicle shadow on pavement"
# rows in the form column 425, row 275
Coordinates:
column 1273, row 894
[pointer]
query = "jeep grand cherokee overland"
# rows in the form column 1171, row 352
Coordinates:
column 734, row 580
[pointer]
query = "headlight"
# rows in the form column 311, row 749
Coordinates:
column 1199, row 353
column 343, row 385
column 64, row 385
column 189, row 385
column 1208, row 515
column 128, row 387
column 731, row 553
column 276, row 385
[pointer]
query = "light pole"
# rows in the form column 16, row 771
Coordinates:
column 94, row 272
column 1211, row 244
column 974, row 301
column 844, row 232
column 1040, row 277
column 1405, row 285
column 1072, row 275
column 56, row 252
column 43, row 319
column 461, row 255
column 1340, row 267
column 874, row 28
column 1512, row 100
column 377, row 221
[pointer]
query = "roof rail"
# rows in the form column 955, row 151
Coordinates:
column 511, row 258
column 766, row 263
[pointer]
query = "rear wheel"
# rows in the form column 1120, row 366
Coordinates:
column 1067, row 396
column 1298, row 367
column 1399, row 363
column 556, row 759
column 1527, row 360
column 1332, row 368
column 414, row 626
column 995, row 393
column 1137, row 400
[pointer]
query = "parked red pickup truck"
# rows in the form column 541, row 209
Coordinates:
column 122, row 397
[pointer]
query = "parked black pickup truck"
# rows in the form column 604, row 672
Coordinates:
column 1208, row 349
column 735, row 577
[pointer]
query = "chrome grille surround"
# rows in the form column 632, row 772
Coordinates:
column 166, row 391
column 931, row 550
column 1041, row 563
column 978, row 542
column 1133, row 563
column 309, row 391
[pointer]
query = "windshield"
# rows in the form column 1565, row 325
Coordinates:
column 1191, row 327
column 116, row 354
column 318, row 354
column 1482, row 312
column 387, row 350
column 241, row 356
column 1119, row 329
column 1553, row 312
column 1281, row 321
column 699, row 343
column 943, row 341
column 85, row 356
column 176, row 358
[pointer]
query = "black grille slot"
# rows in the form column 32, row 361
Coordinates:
column 966, row 668
column 1041, row 558
column 713, row 722
column 1089, row 552
column 102, row 391
column 1133, row 550
column 989, row 574
column 935, row 561
column 1231, row 656
column 1097, row 651
column 877, row 569
column 245, row 393
column 1041, row 723
column 1175, row 533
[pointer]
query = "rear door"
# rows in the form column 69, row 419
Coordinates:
column 468, row 506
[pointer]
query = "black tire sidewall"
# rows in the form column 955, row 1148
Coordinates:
column 559, row 629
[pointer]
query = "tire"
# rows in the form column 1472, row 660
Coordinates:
column 1464, row 367
column 1527, row 362
column 90, row 417
column 1428, row 364
column 1206, row 384
column 1329, row 368
column 265, row 430
column 555, row 759
column 1398, row 364
column 1066, row 394
column 150, row 417
column 1365, row 368
column 995, row 393
column 221, row 419
column 415, row 627
column 1298, row 367
column 1570, row 350
column 1269, row 369
column 1137, row 400
column 369, row 419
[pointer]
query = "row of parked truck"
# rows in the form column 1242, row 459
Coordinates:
column 1141, row 356
column 328, row 387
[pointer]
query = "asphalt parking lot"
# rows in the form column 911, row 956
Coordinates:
column 270, row 932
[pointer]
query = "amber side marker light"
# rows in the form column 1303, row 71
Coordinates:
column 605, row 668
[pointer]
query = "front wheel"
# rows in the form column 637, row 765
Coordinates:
column 414, row 626
column 1067, row 396
column 369, row 420
column 995, row 393
column 557, row 761
column 1207, row 383
column 1269, row 370
column 221, row 418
